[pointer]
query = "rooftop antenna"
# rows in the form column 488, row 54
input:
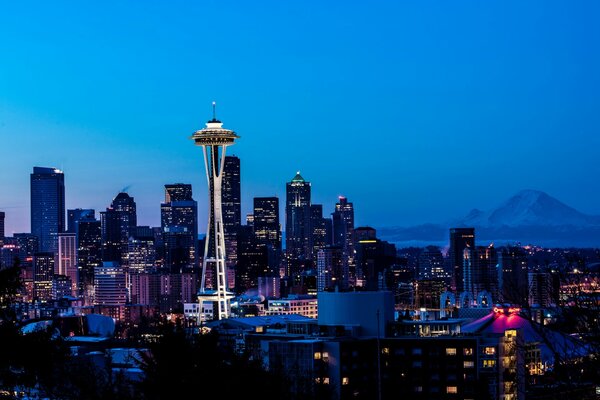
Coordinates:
column 214, row 104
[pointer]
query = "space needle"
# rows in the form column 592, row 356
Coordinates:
column 214, row 140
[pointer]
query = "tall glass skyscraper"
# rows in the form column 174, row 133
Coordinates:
column 298, row 236
column 179, row 223
column 47, row 206
column 119, row 221
column 231, row 205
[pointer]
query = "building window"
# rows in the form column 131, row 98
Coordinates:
column 326, row 380
column 489, row 351
column 385, row 350
column 469, row 364
column 418, row 389
column 417, row 351
column 489, row 363
column 345, row 380
column 451, row 389
column 450, row 351
column 325, row 356
column 317, row 355
column 468, row 351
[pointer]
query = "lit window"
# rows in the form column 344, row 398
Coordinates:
column 326, row 381
column 490, row 351
column 418, row 389
column 345, row 380
column 385, row 350
column 450, row 351
column 468, row 351
column 317, row 355
column 469, row 364
column 451, row 389
column 489, row 363
column 325, row 356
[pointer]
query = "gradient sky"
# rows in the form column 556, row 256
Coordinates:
column 416, row 111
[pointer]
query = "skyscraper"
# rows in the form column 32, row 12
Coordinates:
column 343, row 233
column 266, row 221
column 513, row 276
column 43, row 274
column 179, row 223
column 118, row 223
column 297, row 220
column 318, row 228
column 47, row 206
column 214, row 140
column 1, row 226
column 76, row 215
column 460, row 239
column 89, row 255
column 67, row 260
column 231, row 203
column 331, row 269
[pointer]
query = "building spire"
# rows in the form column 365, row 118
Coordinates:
column 214, row 104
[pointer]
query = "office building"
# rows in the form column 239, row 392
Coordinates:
column 297, row 220
column 179, row 223
column 67, row 260
column 232, row 207
column 47, row 206
column 331, row 269
column 43, row 275
column 79, row 214
column 343, row 234
column 118, row 223
column 461, row 239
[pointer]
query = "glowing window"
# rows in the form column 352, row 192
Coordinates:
column 317, row 355
column 345, row 380
column 450, row 351
column 468, row 351
column 489, row 363
column 326, row 381
column 385, row 350
column 325, row 356
column 489, row 351
column 451, row 389
column 469, row 364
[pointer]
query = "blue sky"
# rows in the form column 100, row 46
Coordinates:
column 416, row 111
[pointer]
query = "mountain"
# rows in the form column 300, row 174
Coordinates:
column 530, row 208
column 530, row 216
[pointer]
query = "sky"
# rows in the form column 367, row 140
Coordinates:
column 415, row 111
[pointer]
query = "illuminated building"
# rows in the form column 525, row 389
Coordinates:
column 214, row 140
column 297, row 220
column 67, row 260
column 300, row 305
column 118, row 223
column 110, row 284
column 43, row 274
column 179, row 223
column 320, row 229
column 372, row 257
column 343, row 234
column 460, row 239
column 231, row 207
column 141, row 255
column 47, row 206
column 267, row 229
column 487, row 270
column 431, row 265
column 331, row 269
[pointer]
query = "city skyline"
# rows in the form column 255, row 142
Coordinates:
column 456, row 100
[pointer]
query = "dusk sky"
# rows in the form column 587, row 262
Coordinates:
column 416, row 111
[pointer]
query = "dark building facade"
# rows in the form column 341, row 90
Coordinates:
column 118, row 222
column 179, row 223
column 78, row 214
column 461, row 239
column 47, row 206
column 89, row 255
column 343, row 234
column 320, row 229
column 267, row 228
column 231, row 203
column 2, row 216
column 298, row 236
column 512, row 276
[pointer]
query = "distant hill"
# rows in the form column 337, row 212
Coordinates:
column 530, row 216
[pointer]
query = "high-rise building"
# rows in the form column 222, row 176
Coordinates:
column 179, row 223
column 79, row 214
column 266, row 222
column 89, row 255
column 141, row 255
column 118, row 223
column 232, row 209
column 214, row 140
column 343, row 233
column 486, row 276
column 372, row 258
column 43, row 275
column 298, row 236
column 47, row 206
column 2, row 216
column 461, row 239
column 67, row 260
column 331, row 269
column 321, row 236
column 431, row 265
column 513, row 276
column 109, row 284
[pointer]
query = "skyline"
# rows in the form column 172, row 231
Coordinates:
column 467, row 113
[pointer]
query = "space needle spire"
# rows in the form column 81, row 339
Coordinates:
column 214, row 140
